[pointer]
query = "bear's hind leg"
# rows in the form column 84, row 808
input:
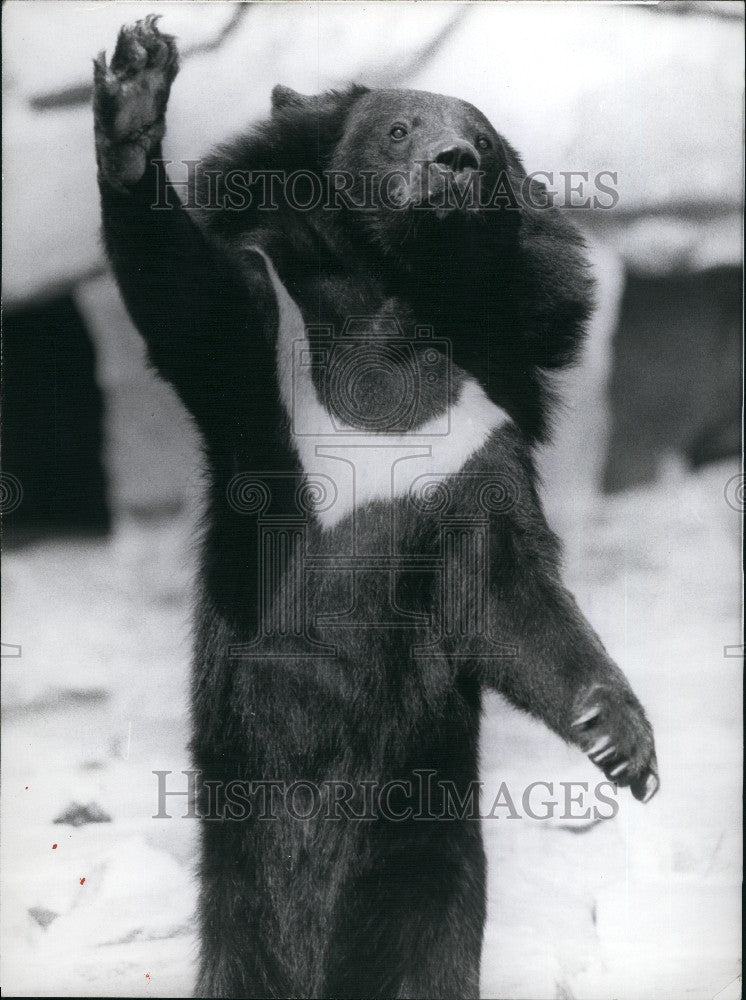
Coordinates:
column 413, row 925
column 446, row 965
column 235, row 960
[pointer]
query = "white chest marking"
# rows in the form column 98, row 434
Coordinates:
column 352, row 466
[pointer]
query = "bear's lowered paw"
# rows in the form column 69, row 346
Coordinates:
column 610, row 726
column 129, row 100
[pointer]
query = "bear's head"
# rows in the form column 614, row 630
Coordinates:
column 404, row 160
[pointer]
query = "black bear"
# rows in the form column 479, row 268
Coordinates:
column 361, row 305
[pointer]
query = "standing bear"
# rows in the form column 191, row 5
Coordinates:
column 360, row 303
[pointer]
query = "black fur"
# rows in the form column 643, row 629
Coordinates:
column 382, row 681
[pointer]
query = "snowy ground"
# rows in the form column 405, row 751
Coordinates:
column 645, row 905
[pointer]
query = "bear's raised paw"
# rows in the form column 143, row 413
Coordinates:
column 129, row 100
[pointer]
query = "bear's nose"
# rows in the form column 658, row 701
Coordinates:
column 458, row 156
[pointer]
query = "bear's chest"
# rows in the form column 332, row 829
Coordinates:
column 371, row 408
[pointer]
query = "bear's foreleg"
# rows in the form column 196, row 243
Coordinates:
column 186, row 298
column 560, row 672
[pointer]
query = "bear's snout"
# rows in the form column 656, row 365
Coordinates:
column 457, row 156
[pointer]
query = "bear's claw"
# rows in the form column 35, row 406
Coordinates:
column 645, row 790
column 600, row 744
column 586, row 717
column 612, row 729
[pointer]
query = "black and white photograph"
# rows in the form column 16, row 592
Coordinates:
column 372, row 499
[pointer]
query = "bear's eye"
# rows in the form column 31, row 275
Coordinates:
column 398, row 132
column 483, row 142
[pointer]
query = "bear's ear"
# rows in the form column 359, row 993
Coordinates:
column 285, row 99
column 307, row 127
column 301, row 133
column 282, row 97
